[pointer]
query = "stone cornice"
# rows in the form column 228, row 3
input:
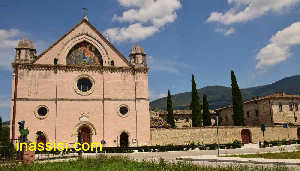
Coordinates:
column 68, row 68
column 74, row 99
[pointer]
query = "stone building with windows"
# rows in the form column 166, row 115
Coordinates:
column 183, row 118
column 81, row 84
column 275, row 109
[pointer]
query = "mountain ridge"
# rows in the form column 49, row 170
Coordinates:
column 220, row 96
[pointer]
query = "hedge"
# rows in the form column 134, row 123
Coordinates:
column 157, row 148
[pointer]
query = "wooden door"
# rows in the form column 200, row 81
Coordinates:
column 124, row 140
column 41, row 139
column 86, row 135
column 246, row 136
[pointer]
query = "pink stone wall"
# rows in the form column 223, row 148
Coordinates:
column 60, row 123
column 100, row 109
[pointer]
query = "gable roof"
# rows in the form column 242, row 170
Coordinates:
column 84, row 20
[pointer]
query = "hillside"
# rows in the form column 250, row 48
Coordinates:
column 6, row 123
column 219, row 96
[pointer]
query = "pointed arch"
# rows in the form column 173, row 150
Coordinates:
column 83, row 38
column 81, row 124
column 124, row 139
column 84, row 53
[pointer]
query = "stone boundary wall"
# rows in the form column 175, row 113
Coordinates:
column 207, row 135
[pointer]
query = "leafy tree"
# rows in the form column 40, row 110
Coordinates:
column 206, row 113
column 196, row 106
column 237, row 102
column 170, row 117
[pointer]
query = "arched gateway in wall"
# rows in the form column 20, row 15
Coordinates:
column 246, row 136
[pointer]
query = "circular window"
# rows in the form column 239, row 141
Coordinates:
column 84, row 84
column 41, row 112
column 123, row 110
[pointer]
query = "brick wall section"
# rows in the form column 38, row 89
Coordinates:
column 226, row 135
column 28, row 157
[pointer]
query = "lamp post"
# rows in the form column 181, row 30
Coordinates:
column 217, row 120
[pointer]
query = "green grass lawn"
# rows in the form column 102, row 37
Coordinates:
column 282, row 155
column 119, row 163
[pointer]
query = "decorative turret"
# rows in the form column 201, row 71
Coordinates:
column 138, row 56
column 25, row 52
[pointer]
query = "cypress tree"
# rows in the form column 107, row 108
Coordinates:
column 170, row 117
column 0, row 124
column 0, row 129
column 206, row 113
column 196, row 106
column 237, row 102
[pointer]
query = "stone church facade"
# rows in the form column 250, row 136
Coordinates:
column 81, row 84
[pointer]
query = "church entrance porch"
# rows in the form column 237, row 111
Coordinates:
column 124, row 141
column 246, row 136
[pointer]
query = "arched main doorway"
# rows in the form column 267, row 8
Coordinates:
column 85, row 134
column 124, row 140
column 246, row 136
column 298, row 133
column 41, row 138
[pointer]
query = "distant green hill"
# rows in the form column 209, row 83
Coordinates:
column 220, row 96
column 6, row 123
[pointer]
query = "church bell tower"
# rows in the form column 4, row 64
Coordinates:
column 25, row 52
column 138, row 56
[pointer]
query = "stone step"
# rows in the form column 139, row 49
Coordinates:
column 246, row 146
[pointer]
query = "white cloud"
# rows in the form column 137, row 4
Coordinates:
column 154, row 95
column 132, row 32
column 8, row 41
column 226, row 32
column 278, row 49
column 8, row 38
column 145, row 17
column 246, row 10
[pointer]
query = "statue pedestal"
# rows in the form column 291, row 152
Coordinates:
column 28, row 157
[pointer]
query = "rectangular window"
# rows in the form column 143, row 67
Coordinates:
column 280, row 107
column 256, row 113
column 248, row 114
column 296, row 107
column 291, row 107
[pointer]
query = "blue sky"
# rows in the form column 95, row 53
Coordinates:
column 258, row 39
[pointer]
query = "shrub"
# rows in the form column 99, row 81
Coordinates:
column 237, row 144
